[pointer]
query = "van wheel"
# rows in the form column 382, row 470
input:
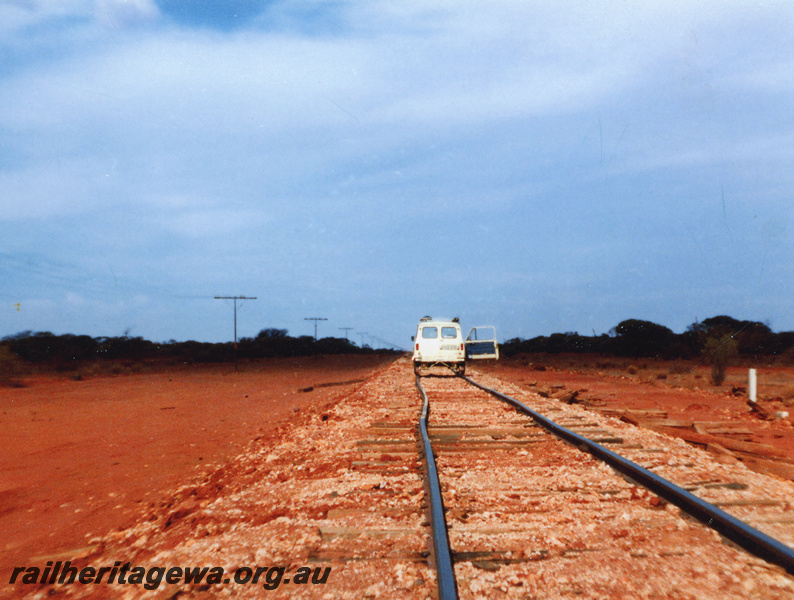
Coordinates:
column 461, row 369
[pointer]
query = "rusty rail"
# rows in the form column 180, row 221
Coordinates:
column 739, row 532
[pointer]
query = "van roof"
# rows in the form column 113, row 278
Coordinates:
column 429, row 319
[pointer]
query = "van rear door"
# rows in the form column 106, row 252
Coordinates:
column 481, row 343
column 429, row 342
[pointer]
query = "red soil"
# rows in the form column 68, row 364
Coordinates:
column 682, row 389
column 81, row 458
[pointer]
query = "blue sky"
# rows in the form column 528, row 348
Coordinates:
column 538, row 166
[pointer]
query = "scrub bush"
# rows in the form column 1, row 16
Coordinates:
column 719, row 352
column 10, row 368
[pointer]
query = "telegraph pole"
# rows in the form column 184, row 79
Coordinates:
column 315, row 319
column 346, row 329
column 235, row 298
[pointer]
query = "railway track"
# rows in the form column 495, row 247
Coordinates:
column 528, row 513
column 342, row 489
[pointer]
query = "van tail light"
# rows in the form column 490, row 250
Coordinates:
column 461, row 346
column 417, row 346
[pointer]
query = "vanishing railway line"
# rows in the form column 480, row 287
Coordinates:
column 514, row 493
column 524, row 515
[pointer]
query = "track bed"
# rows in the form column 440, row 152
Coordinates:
column 529, row 517
column 532, row 516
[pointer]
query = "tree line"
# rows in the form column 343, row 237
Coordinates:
column 638, row 338
column 629, row 338
column 67, row 349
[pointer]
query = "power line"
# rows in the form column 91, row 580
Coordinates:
column 315, row 319
column 235, row 298
column 387, row 342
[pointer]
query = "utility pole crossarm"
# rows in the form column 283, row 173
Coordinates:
column 315, row 319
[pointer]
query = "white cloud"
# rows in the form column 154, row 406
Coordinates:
column 17, row 15
column 124, row 13
column 220, row 221
column 776, row 76
column 52, row 188
column 321, row 154
column 75, row 300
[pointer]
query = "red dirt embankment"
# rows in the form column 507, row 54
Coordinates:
column 80, row 458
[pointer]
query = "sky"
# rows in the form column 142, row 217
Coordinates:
column 539, row 166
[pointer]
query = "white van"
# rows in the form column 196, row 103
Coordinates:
column 439, row 342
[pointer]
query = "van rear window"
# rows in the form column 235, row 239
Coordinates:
column 449, row 333
column 429, row 333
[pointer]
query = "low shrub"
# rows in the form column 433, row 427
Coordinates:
column 720, row 352
column 10, row 368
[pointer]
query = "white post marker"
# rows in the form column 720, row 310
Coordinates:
column 751, row 387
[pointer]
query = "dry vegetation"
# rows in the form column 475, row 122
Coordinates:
column 776, row 375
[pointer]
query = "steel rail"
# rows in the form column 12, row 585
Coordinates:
column 442, row 555
column 739, row 532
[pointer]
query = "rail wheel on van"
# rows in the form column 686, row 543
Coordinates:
column 439, row 342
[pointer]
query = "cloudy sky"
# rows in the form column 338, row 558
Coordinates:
column 539, row 166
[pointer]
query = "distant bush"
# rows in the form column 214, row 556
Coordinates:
column 787, row 357
column 10, row 368
column 635, row 338
column 719, row 352
column 198, row 352
column 751, row 337
column 557, row 343
column 679, row 368
column 77, row 353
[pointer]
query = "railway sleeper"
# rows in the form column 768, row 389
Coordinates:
column 474, row 514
